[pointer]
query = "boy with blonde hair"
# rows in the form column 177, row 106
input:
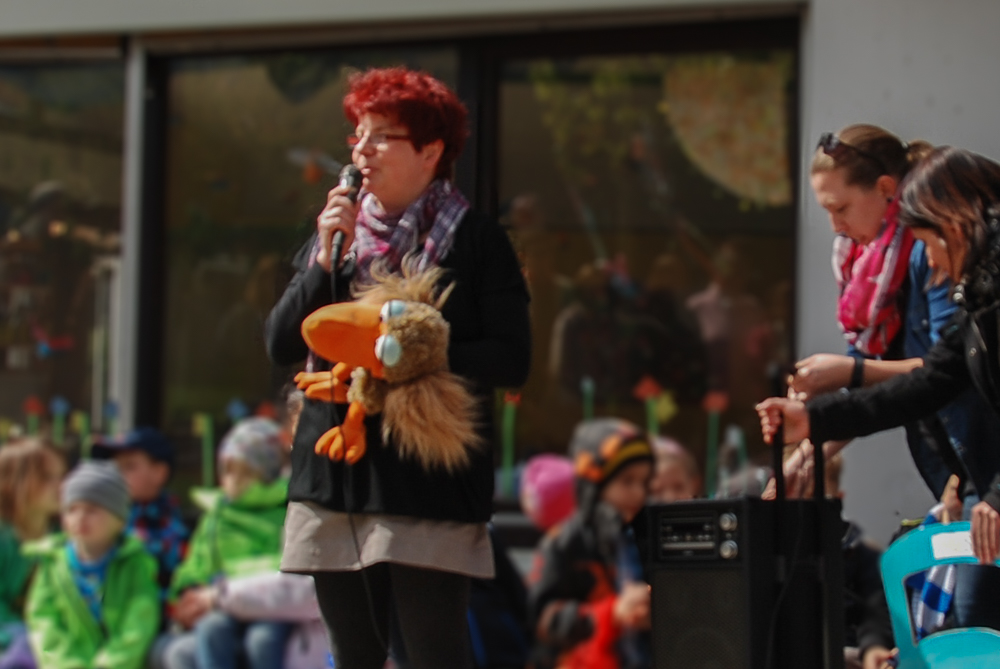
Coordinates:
column 94, row 601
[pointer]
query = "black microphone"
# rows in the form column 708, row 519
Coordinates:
column 351, row 177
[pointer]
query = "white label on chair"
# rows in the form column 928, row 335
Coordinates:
column 952, row 545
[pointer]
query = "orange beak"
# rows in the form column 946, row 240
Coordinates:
column 346, row 333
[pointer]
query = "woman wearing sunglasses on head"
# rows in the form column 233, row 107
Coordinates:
column 951, row 202
column 890, row 309
column 383, row 536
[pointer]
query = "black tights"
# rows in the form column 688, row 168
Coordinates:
column 430, row 607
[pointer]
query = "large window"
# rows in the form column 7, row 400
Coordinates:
column 645, row 175
column 60, row 193
column 650, row 198
column 253, row 145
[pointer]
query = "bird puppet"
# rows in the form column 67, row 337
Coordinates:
column 391, row 351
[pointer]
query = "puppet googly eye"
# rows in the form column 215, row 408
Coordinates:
column 391, row 309
column 388, row 350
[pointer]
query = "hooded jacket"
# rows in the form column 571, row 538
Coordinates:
column 862, row 591
column 16, row 568
column 234, row 538
column 64, row 633
column 574, row 582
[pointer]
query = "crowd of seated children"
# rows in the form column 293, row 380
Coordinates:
column 94, row 595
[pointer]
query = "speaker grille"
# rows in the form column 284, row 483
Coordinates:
column 699, row 619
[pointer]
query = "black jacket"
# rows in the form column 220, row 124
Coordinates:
column 490, row 346
column 966, row 355
column 866, row 620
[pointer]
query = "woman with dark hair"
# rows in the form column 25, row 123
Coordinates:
column 951, row 202
column 888, row 308
column 384, row 537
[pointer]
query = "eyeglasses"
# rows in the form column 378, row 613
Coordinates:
column 835, row 147
column 378, row 140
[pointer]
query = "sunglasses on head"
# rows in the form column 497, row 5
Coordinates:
column 835, row 147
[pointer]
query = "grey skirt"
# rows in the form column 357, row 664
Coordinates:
column 318, row 539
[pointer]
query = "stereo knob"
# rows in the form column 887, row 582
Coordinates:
column 727, row 522
column 728, row 550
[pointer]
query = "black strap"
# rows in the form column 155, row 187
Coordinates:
column 858, row 373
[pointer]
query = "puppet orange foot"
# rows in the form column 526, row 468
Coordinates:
column 331, row 444
column 355, row 451
column 339, row 444
column 346, row 441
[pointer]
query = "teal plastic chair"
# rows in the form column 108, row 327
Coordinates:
column 916, row 551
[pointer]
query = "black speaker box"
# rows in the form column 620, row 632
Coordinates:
column 720, row 569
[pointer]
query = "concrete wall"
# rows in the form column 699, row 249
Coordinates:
column 47, row 17
column 922, row 69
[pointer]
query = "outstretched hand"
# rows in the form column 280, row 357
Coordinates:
column 821, row 373
column 776, row 411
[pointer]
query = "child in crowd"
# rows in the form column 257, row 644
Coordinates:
column 93, row 601
column 587, row 600
column 239, row 535
column 548, row 493
column 30, row 473
column 145, row 458
column 676, row 475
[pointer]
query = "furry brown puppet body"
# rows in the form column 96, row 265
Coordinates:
column 392, row 348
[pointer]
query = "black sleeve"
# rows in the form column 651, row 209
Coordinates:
column 897, row 401
column 502, row 357
column 555, row 599
column 308, row 290
column 992, row 496
column 876, row 627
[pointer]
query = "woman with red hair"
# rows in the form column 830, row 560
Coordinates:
column 385, row 536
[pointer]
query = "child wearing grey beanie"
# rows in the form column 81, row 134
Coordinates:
column 99, row 483
column 94, row 600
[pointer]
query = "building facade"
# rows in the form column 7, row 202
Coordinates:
column 160, row 163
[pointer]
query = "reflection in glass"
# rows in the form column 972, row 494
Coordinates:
column 254, row 144
column 60, row 192
column 650, row 200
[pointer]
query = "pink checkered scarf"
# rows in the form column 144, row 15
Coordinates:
column 871, row 279
column 426, row 230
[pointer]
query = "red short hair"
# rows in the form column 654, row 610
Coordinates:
column 429, row 109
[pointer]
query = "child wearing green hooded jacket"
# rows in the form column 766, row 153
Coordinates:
column 239, row 535
column 94, row 602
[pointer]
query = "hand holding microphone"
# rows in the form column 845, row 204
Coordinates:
column 335, row 223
